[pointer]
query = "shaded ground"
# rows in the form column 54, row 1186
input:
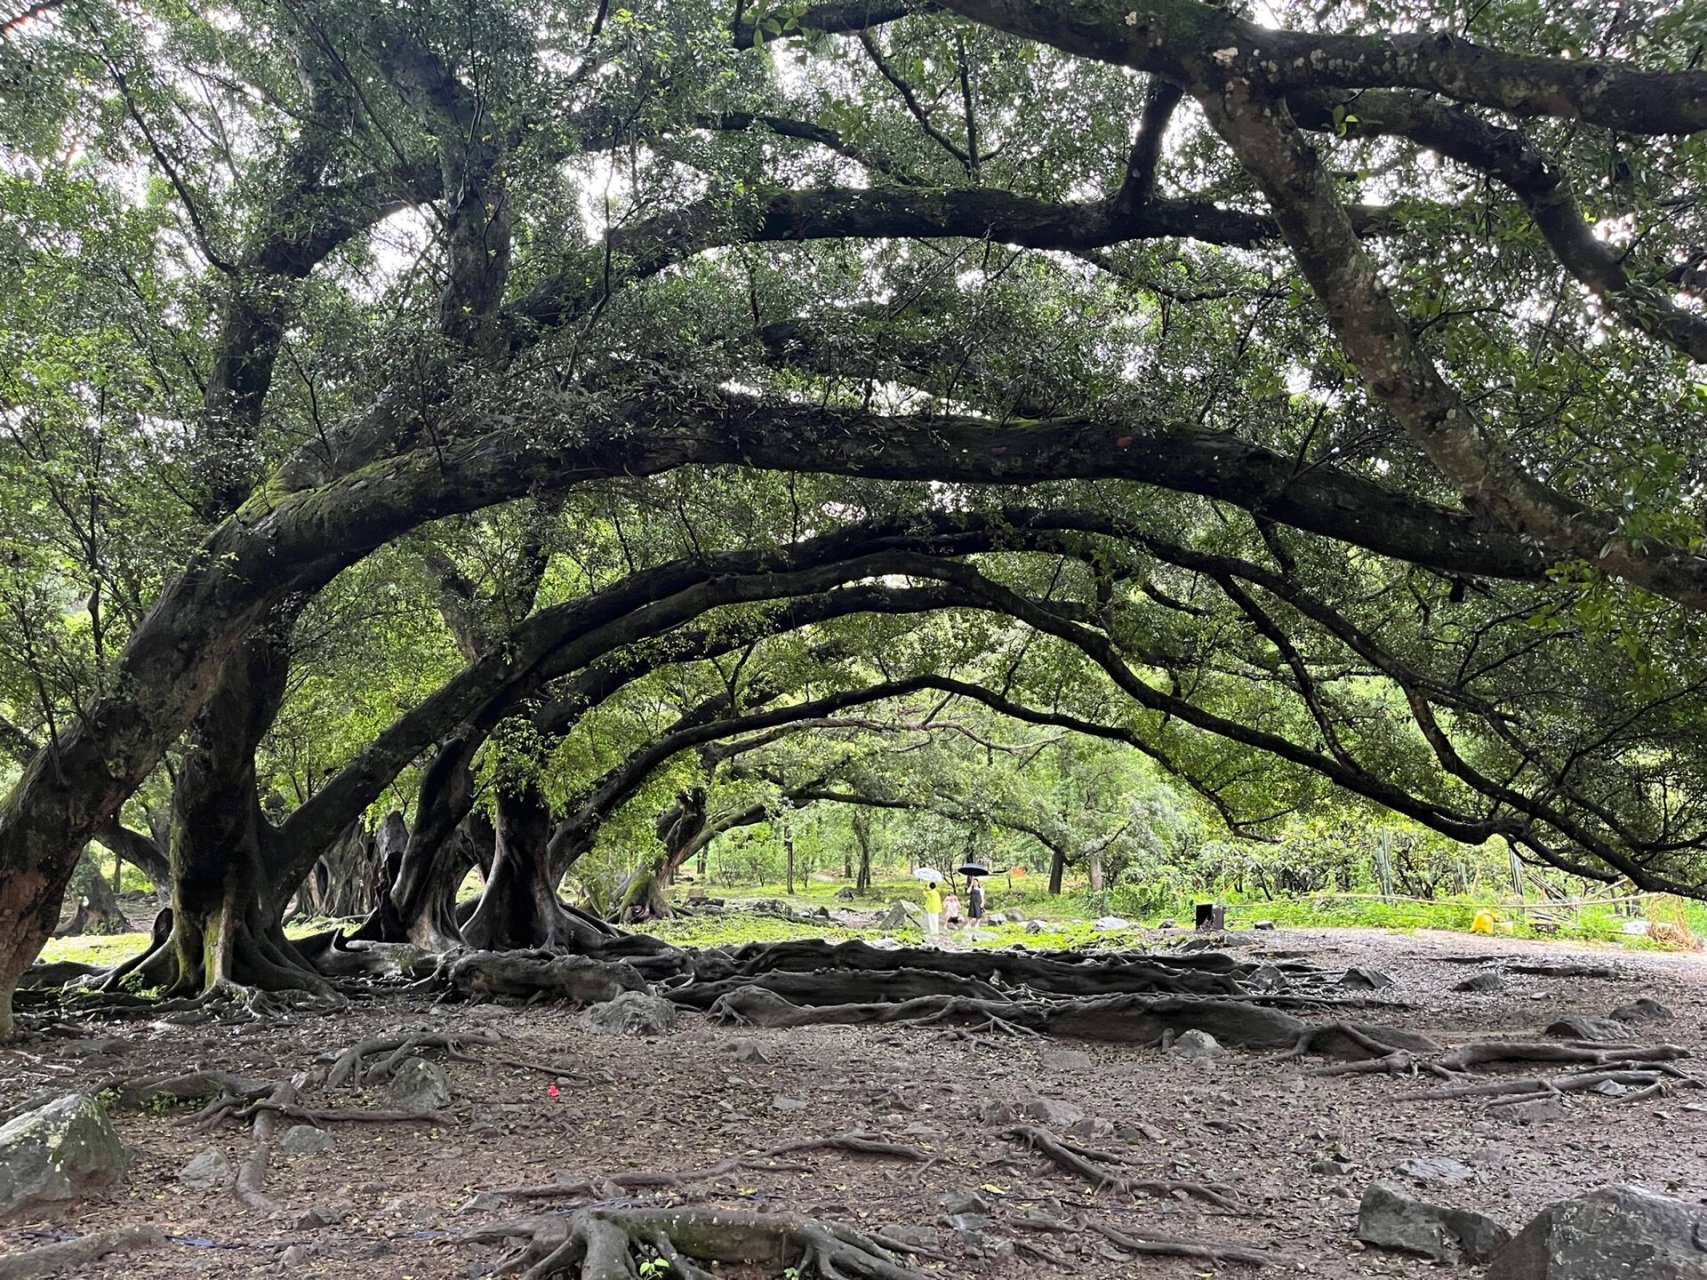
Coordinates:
column 1250, row 1122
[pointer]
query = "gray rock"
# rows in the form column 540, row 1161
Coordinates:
column 1264, row 925
column 1035, row 926
column 921, row 1237
column 1017, row 917
column 745, row 1050
column 1529, row 1110
column 1195, row 1044
column 1642, row 1010
column 1065, row 1060
column 64, row 1150
column 1112, row 922
column 1331, row 1168
column 1435, row 1169
column 295, row 1256
column 1053, row 1112
column 1168, row 924
column 1389, row 1219
column 996, row 1112
column 1489, row 980
column 305, row 1140
column 633, row 1013
column 207, row 1171
column 780, row 1103
column 315, row 1217
column 1577, row 1026
column 1608, row 1234
column 962, row 1200
column 901, row 914
column 967, row 1224
column 1363, row 979
column 419, row 1086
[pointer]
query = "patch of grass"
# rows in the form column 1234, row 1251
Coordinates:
column 736, row 930
column 100, row 950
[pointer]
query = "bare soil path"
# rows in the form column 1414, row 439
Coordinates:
column 554, row 1102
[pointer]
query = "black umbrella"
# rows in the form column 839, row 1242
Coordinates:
column 973, row 869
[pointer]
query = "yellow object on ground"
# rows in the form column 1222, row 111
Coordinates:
column 1483, row 923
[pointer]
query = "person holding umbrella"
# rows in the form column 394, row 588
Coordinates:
column 933, row 908
column 974, row 902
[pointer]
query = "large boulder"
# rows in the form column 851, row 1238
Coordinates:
column 64, row 1150
column 1389, row 1219
column 1609, row 1233
column 901, row 914
column 633, row 1013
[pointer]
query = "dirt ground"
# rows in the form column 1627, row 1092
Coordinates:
column 394, row 1197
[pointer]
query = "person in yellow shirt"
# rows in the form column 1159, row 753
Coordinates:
column 933, row 908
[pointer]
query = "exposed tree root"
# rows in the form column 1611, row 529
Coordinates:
column 54, row 1259
column 1648, row 1082
column 1173, row 1247
column 1125, row 1019
column 252, row 1173
column 1356, row 1042
column 532, row 975
column 597, row 1244
column 1092, row 1167
column 1484, row 1053
column 637, row 1179
column 397, row 1049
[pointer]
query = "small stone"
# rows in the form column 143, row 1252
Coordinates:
column 419, row 1087
column 315, row 1217
column 64, row 1150
column 1169, row 923
column 745, row 1050
column 305, row 1140
column 1264, row 925
column 962, row 1200
column 1065, row 1060
column 1016, row 917
column 1581, row 1027
column 1035, row 926
column 995, row 1112
column 295, row 1256
column 1529, row 1110
column 1195, row 1044
column 922, row 1237
column 967, row 1224
column 1365, row 979
column 780, row 1103
column 632, row 1013
column 1435, row 1169
column 1110, row 923
column 1331, row 1168
column 1490, row 980
column 1053, row 1112
column 1642, row 1010
column 207, row 1170
column 1610, row 1089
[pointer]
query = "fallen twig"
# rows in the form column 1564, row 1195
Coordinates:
column 1173, row 1247
column 1097, row 1175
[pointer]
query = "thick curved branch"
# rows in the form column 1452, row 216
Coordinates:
column 1202, row 47
column 1403, row 377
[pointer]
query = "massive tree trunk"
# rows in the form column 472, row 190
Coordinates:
column 227, row 932
column 421, row 904
column 520, row 906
